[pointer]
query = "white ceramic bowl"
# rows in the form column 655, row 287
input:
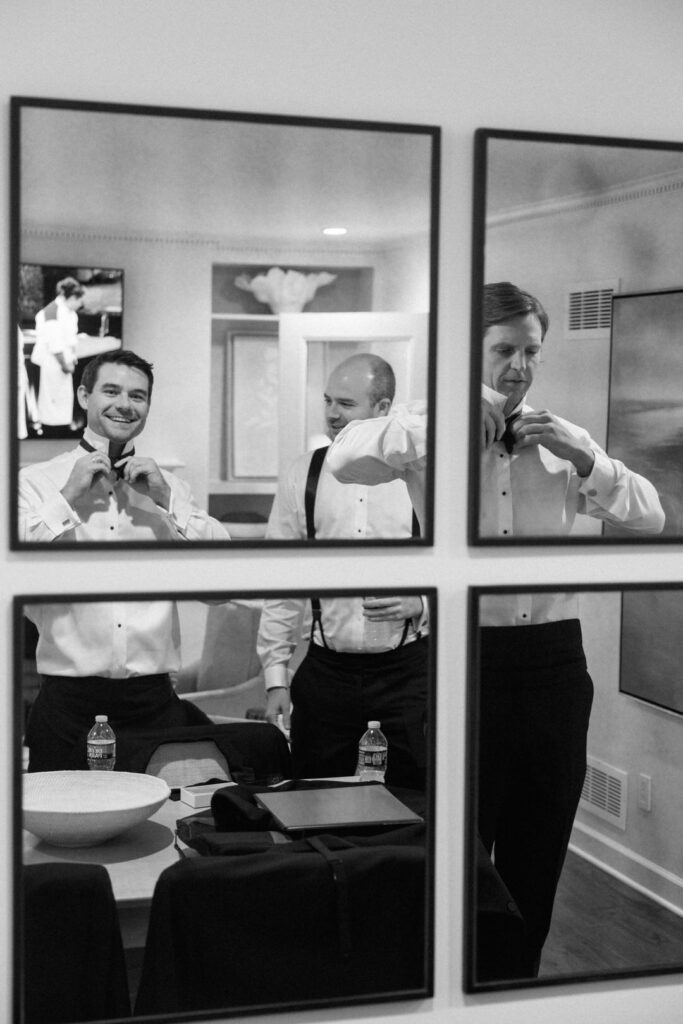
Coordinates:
column 87, row 808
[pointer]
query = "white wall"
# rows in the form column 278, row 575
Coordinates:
column 611, row 68
column 634, row 737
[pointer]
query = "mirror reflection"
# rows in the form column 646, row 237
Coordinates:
column 207, row 780
column 575, row 418
column 257, row 255
column 576, row 819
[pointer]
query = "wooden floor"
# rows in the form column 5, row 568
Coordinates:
column 600, row 924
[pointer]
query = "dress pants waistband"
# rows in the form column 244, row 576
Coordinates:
column 356, row 660
column 513, row 650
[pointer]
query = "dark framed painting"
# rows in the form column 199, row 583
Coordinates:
column 180, row 825
column 574, row 816
column 281, row 280
column 652, row 648
column 564, row 226
column 66, row 316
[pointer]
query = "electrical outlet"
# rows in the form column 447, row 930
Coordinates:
column 645, row 792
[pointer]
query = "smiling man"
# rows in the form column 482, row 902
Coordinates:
column 102, row 490
column 100, row 657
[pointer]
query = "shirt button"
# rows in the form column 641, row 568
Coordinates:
column 111, row 527
column 503, row 493
column 504, row 531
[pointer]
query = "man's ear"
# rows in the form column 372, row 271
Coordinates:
column 82, row 396
column 383, row 406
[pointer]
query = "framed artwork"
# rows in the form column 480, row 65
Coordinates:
column 266, row 259
column 56, row 342
column 574, row 818
column 329, row 886
column 564, row 227
column 644, row 409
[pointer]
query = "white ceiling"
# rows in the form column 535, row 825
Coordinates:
column 221, row 178
column 522, row 172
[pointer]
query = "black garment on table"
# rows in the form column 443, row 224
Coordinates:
column 236, row 824
column 535, row 697
column 74, row 967
column 256, row 752
column 335, row 694
column 284, row 926
column 64, row 712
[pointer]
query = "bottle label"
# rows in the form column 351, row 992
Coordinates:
column 101, row 751
column 373, row 758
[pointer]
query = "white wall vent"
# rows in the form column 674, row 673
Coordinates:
column 605, row 791
column 588, row 310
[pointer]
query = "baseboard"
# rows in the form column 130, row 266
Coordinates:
column 658, row 884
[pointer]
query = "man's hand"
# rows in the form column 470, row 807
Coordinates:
column 277, row 703
column 144, row 475
column 543, row 428
column 492, row 423
column 392, row 609
column 84, row 473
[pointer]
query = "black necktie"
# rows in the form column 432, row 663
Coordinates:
column 118, row 470
column 508, row 437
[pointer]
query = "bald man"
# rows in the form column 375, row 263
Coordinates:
column 353, row 671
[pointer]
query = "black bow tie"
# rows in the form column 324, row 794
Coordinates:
column 118, row 470
column 508, row 437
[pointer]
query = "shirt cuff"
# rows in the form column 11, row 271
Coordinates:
column 601, row 479
column 59, row 516
column 276, row 675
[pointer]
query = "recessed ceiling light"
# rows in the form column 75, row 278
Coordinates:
column 334, row 231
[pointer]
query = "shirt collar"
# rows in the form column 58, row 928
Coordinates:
column 102, row 443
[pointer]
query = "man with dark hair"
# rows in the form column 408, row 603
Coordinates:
column 101, row 657
column 367, row 658
column 55, row 353
column 103, row 490
column 537, row 473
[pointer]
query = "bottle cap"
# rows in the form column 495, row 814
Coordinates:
column 373, row 725
column 101, row 718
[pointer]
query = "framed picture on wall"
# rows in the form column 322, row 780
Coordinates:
column 574, row 813
column 66, row 316
column 564, row 225
column 271, row 913
column 281, row 282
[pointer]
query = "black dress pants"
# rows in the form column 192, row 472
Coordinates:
column 335, row 694
column 534, row 708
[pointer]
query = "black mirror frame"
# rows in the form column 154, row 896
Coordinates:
column 470, row 981
column 482, row 136
column 423, row 992
column 431, row 132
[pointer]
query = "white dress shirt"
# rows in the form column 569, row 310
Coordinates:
column 530, row 609
column 112, row 510
column 341, row 510
column 533, row 493
column 112, row 639
column 392, row 447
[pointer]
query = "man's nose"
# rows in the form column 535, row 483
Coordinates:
column 332, row 411
column 123, row 401
column 518, row 361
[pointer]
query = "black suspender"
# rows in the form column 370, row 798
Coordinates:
column 313, row 476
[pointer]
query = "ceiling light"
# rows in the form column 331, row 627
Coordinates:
column 334, row 231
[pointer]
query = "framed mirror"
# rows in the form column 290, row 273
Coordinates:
column 571, row 233
column 280, row 276
column 161, row 886
column 575, row 820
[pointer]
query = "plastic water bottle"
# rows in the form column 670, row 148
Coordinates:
column 372, row 754
column 378, row 634
column 101, row 743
